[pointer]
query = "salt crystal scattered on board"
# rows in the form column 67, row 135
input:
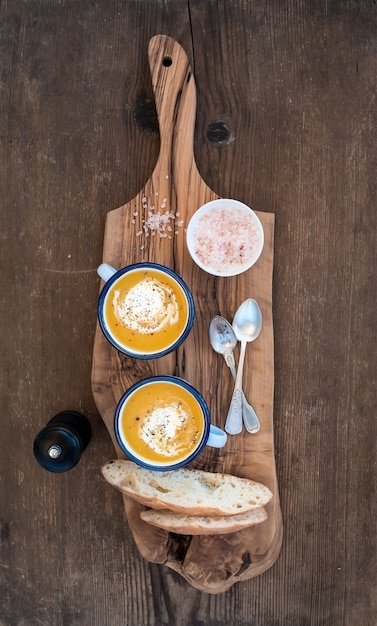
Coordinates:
column 157, row 221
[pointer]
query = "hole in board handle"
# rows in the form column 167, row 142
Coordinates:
column 167, row 61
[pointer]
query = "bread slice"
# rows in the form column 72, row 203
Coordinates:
column 190, row 491
column 203, row 524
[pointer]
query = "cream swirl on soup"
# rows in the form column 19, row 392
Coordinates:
column 147, row 307
column 162, row 429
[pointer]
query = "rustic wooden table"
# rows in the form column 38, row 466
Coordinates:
column 286, row 123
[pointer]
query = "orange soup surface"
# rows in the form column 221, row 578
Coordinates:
column 162, row 422
column 146, row 311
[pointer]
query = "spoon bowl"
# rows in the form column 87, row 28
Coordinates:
column 247, row 322
column 221, row 335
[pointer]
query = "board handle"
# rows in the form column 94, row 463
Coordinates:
column 175, row 94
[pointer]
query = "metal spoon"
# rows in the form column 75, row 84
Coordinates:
column 247, row 324
column 223, row 341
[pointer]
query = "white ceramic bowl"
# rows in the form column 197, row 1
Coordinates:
column 225, row 237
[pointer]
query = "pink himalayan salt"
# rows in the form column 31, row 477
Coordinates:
column 226, row 239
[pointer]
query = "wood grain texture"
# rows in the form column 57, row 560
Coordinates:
column 286, row 113
column 177, row 187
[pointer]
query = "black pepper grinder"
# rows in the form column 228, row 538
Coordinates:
column 59, row 445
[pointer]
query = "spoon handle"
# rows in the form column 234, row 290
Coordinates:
column 233, row 424
column 250, row 418
column 229, row 360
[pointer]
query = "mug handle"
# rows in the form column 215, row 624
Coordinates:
column 106, row 271
column 217, row 438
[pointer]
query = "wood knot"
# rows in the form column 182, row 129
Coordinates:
column 145, row 113
column 219, row 132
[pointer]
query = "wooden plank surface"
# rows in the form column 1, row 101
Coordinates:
column 285, row 122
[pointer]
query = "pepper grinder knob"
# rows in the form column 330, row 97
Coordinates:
column 59, row 445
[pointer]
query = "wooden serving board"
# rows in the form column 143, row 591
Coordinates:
column 209, row 563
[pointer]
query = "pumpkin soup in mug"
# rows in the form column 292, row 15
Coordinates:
column 162, row 422
column 145, row 310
